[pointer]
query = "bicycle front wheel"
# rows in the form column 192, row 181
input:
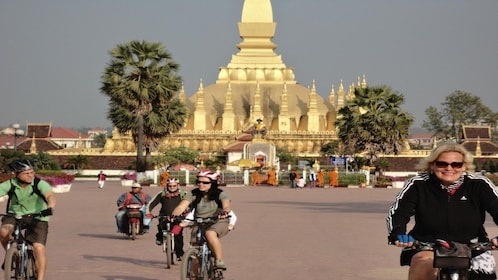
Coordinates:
column 169, row 250
column 31, row 271
column 191, row 265
column 12, row 264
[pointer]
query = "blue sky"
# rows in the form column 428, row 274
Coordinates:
column 52, row 53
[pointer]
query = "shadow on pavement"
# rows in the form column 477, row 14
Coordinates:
column 341, row 207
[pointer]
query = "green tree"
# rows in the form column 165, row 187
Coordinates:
column 142, row 83
column 286, row 157
column 78, row 161
column 459, row 108
column 180, row 155
column 330, row 149
column 99, row 140
column 44, row 161
column 373, row 122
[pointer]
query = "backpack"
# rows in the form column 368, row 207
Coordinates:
column 129, row 197
column 36, row 190
column 198, row 197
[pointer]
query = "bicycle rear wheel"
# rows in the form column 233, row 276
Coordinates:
column 169, row 250
column 191, row 265
column 12, row 264
column 31, row 266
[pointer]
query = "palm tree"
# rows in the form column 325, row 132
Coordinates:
column 142, row 83
column 78, row 161
column 373, row 122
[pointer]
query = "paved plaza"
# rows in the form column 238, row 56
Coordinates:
column 281, row 233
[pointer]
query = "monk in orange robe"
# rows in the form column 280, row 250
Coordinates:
column 333, row 178
column 320, row 179
column 272, row 177
column 255, row 178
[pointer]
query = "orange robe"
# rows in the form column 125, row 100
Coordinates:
column 255, row 178
column 320, row 178
column 333, row 178
column 164, row 178
column 272, row 177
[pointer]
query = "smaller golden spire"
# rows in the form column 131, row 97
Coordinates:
column 332, row 95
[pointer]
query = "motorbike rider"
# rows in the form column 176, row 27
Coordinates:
column 169, row 198
column 209, row 201
column 135, row 196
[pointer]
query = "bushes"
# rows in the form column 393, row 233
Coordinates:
column 493, row 178
column 352, row 178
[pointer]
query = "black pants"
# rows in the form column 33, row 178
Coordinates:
column 178, row 240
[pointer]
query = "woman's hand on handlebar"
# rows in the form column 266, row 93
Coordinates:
column 494, row 240
column 404, row 240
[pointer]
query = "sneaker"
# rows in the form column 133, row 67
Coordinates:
column 219, row 264
column 159, row 242
column 179, row 259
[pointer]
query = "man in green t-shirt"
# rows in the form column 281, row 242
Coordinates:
column 25, row 200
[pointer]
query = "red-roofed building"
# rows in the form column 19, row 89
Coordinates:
column 477, row 140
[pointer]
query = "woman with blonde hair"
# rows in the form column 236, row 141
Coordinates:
column 448, row 202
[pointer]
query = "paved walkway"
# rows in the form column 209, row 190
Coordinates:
column 282, row 233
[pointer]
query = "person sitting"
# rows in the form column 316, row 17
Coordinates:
column 209, row 201
column 135, row 196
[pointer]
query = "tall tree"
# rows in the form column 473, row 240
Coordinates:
column 373, row 122
column 141, row 81
column 459, row 108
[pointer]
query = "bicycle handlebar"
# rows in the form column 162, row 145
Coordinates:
column 477, row 246
column 43, row 213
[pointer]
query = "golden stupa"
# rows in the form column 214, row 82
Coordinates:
column 256, row 84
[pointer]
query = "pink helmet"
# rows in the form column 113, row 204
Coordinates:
column 209, row 174
column 173, row 180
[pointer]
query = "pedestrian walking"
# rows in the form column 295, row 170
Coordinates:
column 101, row 179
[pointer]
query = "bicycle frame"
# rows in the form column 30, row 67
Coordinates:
column 201, row 252
column 24, row 266
column 168, row 239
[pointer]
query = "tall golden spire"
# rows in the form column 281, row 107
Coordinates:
column 256, row 60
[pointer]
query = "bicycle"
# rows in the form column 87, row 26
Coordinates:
column 168, row 238
column 452, row 267
column 20, row 263
column 198, row 261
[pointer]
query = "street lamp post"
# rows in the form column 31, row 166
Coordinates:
column 17, row 133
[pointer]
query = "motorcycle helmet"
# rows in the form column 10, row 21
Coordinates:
column 21, row 165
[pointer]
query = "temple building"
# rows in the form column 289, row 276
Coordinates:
column 255, row 85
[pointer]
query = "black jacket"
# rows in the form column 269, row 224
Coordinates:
column 459, row 217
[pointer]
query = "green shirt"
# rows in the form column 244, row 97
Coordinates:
column 26, row 201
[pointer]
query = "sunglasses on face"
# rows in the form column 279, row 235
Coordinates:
column 444, row 164
column 203, row 182
column 172, row 186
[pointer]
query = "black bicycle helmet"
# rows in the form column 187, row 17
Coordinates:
column 21, row 165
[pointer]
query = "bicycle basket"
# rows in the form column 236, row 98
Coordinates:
column 456, row 257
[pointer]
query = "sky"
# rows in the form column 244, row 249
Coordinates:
column 53, row 52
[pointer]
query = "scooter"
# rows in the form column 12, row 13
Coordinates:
column 135, row 216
